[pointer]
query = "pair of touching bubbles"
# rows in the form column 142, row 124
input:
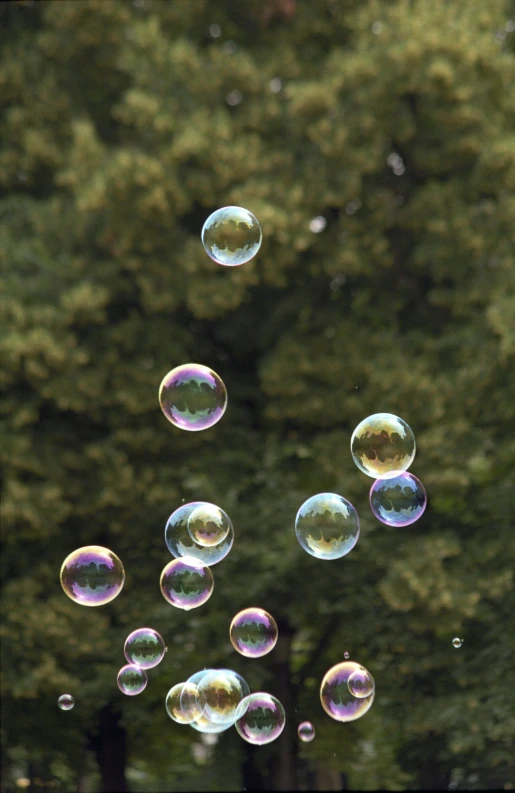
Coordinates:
column 144, row 648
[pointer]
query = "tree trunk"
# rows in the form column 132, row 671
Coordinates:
column 284, row 768
column 111, row 751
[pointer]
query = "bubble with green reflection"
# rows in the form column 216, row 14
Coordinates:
column 231, row 236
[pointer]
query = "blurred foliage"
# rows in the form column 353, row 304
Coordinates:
column 123, row 125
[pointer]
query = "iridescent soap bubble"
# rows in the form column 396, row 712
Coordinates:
column 327, row 526
column 263, row 721
column 456, row 642
column 204, row 723
column 145, row 648
column 184, row 703
column 223, row 692
column 208, row 525
column 253, row 632
column 66, row 702
column 132, row 680
column 336, row 699
column 92, row 575
column 180, row 543
column 361, row 683
column 383, row 446
column 231, row 236
column 186, row 583
column 306, row 731
column 398, row 501
column 193, row 397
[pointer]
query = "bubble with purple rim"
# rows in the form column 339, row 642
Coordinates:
column 186, row 583
column 399, row 501
column 66, row 702
column 337, row 700
column 192, row 397
column 132, row 680
column 145, row 648
column 92, row 575
column 253, row 632
column 180, row 542
column 306, row 731
column 263, row 721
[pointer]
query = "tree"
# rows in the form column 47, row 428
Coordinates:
column 123, row 127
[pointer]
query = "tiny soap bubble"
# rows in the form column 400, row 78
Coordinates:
column 306, row 731
column 66, row 702
column 456, row 642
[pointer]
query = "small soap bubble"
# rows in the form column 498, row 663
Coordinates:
column 253, row 632
column 231, row 236
column 180, row 542
column 383, row 446
column 145, row 648
column 92, row 575
column 186, row 583
column 229, row 47
column 399, row 501
column 346, row 656
column 208, row 525
column 132, row 680
column 184, row 703
column 377, row 28
column 337, row 700
column 223, row 692
column 233, row 98
column 275, row 85
column 361, row 683
column 457, row 643
column 263, row 721
column 66, row 702
column 509, row 26
column 317, row 224
column 327, row 526
column 306, row 731
column 192, row 397
column 215, row 31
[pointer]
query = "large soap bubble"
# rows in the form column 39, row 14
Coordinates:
column 327, row 526
column 253, row 632
column 231, row 236
column 399, row 501
column 184, row 703
column 263, row 721
column 223, row 692
column 186, row 583
column 383, row 446
column 336, row 698
column 193, row 397
column 92, row 575
column 180, row 542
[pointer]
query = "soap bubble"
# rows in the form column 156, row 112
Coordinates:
column 253, row 632
column 361, row 683
column 186, row 583
column 383, row 446
column 336, row 699
column 66, row 702
column 457, row 643
column 263, row 721
column 132, row 680
column 208, row 525
column 306, row 731
column 193, row 397
column 223, row 691
column 399, row 501
column 184, row 703
column 145, row 648
column 231, row 236
column 203, row 723
column 346, row 656
column 92, row 576
column 180, row 543
column 327, row 526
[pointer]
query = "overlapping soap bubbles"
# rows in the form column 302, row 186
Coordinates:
column 66, row 702
column 180, row 542
column 92, row 575
column 253, row 632
column 327, row 526
column 337, row 699
column 383, row 445
column 398, row 501
column 193, row 397
column 208, row 525
column 145, row 648
column 231, row 236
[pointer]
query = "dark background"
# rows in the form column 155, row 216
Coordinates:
column 123, row 125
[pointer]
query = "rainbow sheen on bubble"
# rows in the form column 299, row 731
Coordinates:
column 193, row 397
column 361, row 683
column 66, row 702
column 145, row 648
column 306, row 731
column 184, row 703
column 223, row 692
column 253, row 632
column 204, row 723
column 383, row 445
column 336, row 699
column 399, row 501
column 92, row 575
column 180, row 543
column 132, row 680
column 186, row 583
column 231, row 236
column 327, row 526
column 208, row 525
column 263, row 721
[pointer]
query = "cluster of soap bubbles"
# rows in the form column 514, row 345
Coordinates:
column 213, row 700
